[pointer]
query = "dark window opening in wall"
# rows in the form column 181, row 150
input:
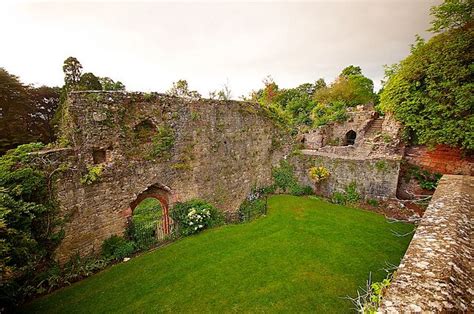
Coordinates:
column 144, row 130
column 99, row 156
column 350, row 138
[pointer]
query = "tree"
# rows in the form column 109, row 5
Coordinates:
column 320, row 83
column 351, row 87
column 14, row 111
column 451, row 14
column 44, row 102
column 351, row 71
column 72, row 69
column 89, row 81
column 109, row 84
column 431, row 91
column 181, row 89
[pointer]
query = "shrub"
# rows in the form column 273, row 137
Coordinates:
column 318, row 174
column 284, row 179
column 300, row 190
column 352, row 196
column 426, row 179
column 29, row 224
column 93, row 174
column 323, row 114
column 349, row 196
column 250, row 209
column 338, row 198
column 372, row 202
column 117, row 248
column 195, row 215
column 369, row 299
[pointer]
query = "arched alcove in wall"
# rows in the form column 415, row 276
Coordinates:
column 350, row 138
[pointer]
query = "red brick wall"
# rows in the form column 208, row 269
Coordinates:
column 442, row 159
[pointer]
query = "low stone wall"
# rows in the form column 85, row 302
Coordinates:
column 374, row 177
column 436, row 274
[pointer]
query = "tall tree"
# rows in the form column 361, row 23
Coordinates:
column 72, row 69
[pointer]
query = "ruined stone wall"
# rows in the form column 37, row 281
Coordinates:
column 359, row 120
column 221, row 150
column 442, row 159
column 436, row 273
column 374, row 177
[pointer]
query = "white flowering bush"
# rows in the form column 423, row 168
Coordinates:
column 195, row 215
column 198, row 218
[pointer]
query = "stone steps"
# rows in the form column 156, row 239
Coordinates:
column 375, row 128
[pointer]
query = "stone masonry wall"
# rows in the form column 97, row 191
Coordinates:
column 374, row 177
column 221, row 150
column 436, row 273
column 442, row 159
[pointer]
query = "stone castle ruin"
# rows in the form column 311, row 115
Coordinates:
column 150, row 145
column 125, row 147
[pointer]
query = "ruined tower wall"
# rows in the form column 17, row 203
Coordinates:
column 219, row 151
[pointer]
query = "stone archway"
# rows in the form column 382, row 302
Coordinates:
column 163, row 195
column 350, row 138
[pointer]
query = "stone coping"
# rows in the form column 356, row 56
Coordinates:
column 436, row 274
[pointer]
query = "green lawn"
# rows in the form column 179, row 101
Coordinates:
column 305, row 256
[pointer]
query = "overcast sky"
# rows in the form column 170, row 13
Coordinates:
column 148, row 45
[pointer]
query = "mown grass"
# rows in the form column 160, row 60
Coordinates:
column 305, row 256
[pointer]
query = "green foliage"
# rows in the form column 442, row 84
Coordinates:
column 285, row 180
column 26, row 112
column 162, row 142
column 349, row 196
column 117, row 248
column 426, row 179
column 89, row 81
column 323, row 114
column 431, row 91
column 93, row 174
column 381, row 165
column 109, row 84
column 142, row 228
column 181, row 89
column 195, row 215
column 252, row 208
column 351, row 88
column 373, row 202
column 29, row 225
column 369, row 299
column 72, row 69
column 316, row 104
column 451, row 14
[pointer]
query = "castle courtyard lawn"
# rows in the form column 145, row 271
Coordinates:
column 305, row 256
